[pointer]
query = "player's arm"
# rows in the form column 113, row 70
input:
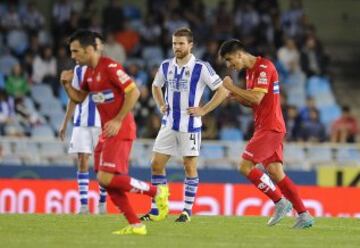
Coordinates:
column 70, row 108
column 240, row 100
column 252, row 97
column 220, row 95
column 159, row 98
column 75, row 95
column 121, row 80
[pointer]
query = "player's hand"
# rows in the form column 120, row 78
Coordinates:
column 196, row 111
column 112, row 127
column 164, row 109
column 62, row 131
column 66, row 77
column 228, row 83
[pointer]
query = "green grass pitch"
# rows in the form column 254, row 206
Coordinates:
column 95, row 231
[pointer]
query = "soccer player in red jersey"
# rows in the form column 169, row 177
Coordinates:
column 262, row 94
column 115, row 94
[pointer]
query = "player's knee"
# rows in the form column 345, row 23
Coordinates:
column 103, row 179
column 245, row 168
column 83, row 162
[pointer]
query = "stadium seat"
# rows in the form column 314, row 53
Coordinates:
column 294, row 157
column 43, row 131
column 141, row 154
column 318, row 155
column 42, row 93
column 328, row 114
column 348, row 155
column 231, row 134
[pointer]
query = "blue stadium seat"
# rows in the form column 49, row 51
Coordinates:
column 43, row 131
column 348, row 155
column 212, row 151
column 317, row 85
column 329, row 113
column 231, row 134
column 318, row 155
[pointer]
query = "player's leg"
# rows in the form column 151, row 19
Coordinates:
column 164, row 147
column 112, row 175
column 95, row 134
column 158, row 177
column 191, row 183
column 83, row 181
column 79, row 145
column 189, row 144
column 260, row 180
column 288, row 188
column 118, row 184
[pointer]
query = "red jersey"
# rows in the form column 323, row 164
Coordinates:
column 107, row 84
column 263, row 77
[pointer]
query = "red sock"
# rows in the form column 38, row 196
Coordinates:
column 264, row 183
column 129, row 184
column 289, row 190
column 121, row 200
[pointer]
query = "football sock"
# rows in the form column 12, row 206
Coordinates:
column 290, row 191
column 121, row 200
column 102, row 192
column 83, row 186
column 191, row 187
column 264, row 184
column 129, row 184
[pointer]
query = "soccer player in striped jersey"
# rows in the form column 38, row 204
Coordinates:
column 262, row 94
column 85, row 133
column 184, row 78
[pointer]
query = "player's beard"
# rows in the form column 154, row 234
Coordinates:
column 181, row 55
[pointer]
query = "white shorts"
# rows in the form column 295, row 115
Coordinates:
column 84, row 139
column 175, row 143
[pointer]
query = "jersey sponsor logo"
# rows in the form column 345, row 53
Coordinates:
column 103, row 96
column 123, row 77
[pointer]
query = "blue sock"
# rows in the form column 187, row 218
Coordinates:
column 83, row 185
column 102, row 192
column 191, row 187
column 156, row 180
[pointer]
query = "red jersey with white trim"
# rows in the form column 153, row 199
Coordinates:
column 263, row 77
column 107, row 84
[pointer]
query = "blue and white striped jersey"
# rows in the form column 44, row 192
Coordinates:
column 184, row 88
column 86, row 114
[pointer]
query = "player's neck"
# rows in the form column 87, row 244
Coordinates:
column 94, row 61
column 250, row 61
column 184, row 60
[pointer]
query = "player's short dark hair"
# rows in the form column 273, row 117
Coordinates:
column 99, row 36
column 231, row 46
column 85, row 37
column 184, row 32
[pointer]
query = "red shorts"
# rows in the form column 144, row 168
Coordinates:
column 112, row 155
column 265, row 147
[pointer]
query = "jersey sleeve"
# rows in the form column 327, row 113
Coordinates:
column 210, row 77
column 262, row 78
column 120, row 78
column 79, row 73
column 159, row 79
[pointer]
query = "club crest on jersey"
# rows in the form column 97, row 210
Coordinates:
column 103, row 96
column 262, row 78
